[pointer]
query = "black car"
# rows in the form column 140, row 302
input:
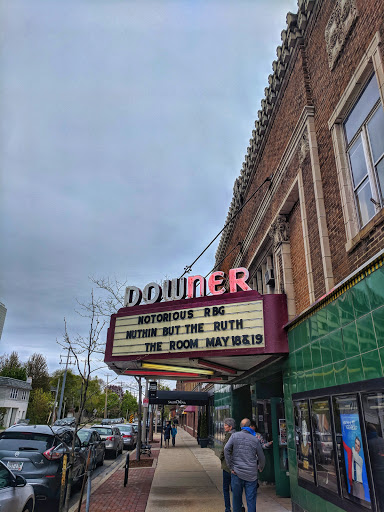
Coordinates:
column 36, row 452
column 90, row 439
column 65, row 422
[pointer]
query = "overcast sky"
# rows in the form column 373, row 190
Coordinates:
column 123, row 126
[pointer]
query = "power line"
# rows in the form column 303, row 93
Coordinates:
column 188, row 268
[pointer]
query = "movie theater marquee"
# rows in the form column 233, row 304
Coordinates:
column 227, row 326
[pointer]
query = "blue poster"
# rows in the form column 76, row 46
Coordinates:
column 354, row 457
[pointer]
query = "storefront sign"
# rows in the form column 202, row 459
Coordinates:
column 222, row 327
column 187, row 288
column 152, row 390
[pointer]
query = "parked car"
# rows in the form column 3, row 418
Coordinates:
column 36, row 452
column 90, row 439
column 112, row 437
column 66, row 422
column 129, row 434
column 15, row 494
column 112, row 421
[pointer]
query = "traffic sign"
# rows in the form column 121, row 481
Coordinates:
column 145, row 402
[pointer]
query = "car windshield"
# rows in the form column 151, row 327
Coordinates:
column 124, row 428
column 103, row 431
column 84, row 435
column 18, row 441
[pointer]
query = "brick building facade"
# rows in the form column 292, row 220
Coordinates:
column 307, row 220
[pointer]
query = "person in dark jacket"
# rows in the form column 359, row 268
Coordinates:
column 167, row 434
column 245, row 457
column 229, row 428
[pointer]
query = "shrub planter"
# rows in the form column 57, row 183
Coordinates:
column 204, row 442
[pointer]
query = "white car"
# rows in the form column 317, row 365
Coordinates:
column 15, row 494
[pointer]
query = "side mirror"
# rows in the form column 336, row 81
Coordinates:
column 20, row 481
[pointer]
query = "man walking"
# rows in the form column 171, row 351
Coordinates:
column 244, row 456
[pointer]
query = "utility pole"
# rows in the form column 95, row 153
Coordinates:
column 106, row 399
column 55, row 402
column 144, row 431
column 63, row 386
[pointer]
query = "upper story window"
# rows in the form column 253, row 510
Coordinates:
column 14, row 393
column 364, row 133
column 24, row 395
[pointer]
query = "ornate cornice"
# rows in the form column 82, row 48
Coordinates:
column 296, row 26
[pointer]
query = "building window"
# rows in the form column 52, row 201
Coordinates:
column 364, row 133
column 352, row 456
column 339, row 436
column 24, row 395
column 14, row 393
column 303, row 441
column 357, row 128
column 323, row 445
column 373, row 405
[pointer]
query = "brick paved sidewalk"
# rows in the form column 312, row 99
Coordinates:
column 112, row 496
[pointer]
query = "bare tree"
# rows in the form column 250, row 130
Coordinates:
column 114, row 291
column 83, row 349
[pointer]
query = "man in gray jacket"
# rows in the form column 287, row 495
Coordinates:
column 244, row 456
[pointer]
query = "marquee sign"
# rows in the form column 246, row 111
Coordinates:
column 217, row 327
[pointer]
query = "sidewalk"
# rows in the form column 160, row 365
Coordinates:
column 184, row 478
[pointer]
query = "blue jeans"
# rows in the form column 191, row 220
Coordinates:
column 226, row 488
column 250, row 488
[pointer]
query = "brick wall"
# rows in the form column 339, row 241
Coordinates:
column 309, row 81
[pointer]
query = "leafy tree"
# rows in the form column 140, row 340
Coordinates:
column 94, row 395
column 39, row 406
column 113, row 405
column 11, row 366
column 37, row 368
column 129, row 404
column 72, row 387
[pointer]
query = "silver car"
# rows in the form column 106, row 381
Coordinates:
column 15, row 494
column 113, row 439
column 129, row 434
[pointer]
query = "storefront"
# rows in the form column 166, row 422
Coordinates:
column 334, row 397
column 323, row 407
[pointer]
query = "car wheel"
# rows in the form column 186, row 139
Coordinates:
column 28, row 507
column 101, row 463
column 116, row 453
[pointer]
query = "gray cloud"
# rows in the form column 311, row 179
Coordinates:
column 123, row 128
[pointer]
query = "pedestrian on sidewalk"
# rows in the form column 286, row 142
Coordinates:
column 173, row 433
column 229, row 429
column 167, row 434
column 245, row 457
column 259, row 436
